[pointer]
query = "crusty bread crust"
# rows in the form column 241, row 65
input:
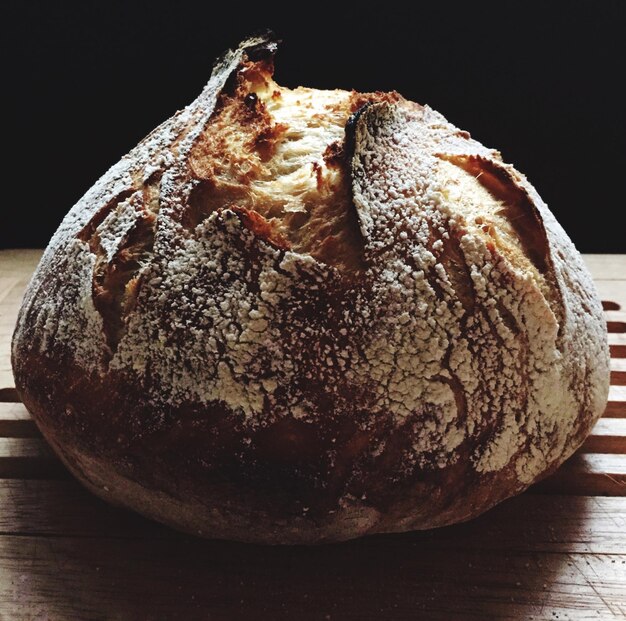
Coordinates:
column 226, row 345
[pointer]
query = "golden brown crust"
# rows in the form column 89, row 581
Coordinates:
column 303, row 316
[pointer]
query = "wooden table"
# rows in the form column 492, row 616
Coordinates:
column 555, row 552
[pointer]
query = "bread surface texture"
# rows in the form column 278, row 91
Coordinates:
column 303, row 316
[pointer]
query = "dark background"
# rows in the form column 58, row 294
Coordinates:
column 540, row 81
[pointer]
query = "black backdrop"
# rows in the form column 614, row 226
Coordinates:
column 85, row 81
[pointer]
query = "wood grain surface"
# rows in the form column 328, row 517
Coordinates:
column 555, row 552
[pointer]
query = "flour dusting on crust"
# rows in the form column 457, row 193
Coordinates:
column 445, row 305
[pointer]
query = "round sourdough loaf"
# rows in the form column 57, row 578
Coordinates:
column 297, row 316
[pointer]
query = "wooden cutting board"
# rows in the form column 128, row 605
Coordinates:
column 555, row 552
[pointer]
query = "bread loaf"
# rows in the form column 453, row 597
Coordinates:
column 300, row 316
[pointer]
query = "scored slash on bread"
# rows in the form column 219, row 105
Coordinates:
column 295, row 316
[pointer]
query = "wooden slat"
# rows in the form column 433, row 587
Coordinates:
column 618, row 364
column 615, row 338
column 607, row 436
column 615, row 316
column 530, row 558
column 16, row 422
column 6, row 377
column 62, row 507
column 6, row 372
column 27, row 448
column 13, row 410
column 616, row 406
column 593, row 474
column 28, row 458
